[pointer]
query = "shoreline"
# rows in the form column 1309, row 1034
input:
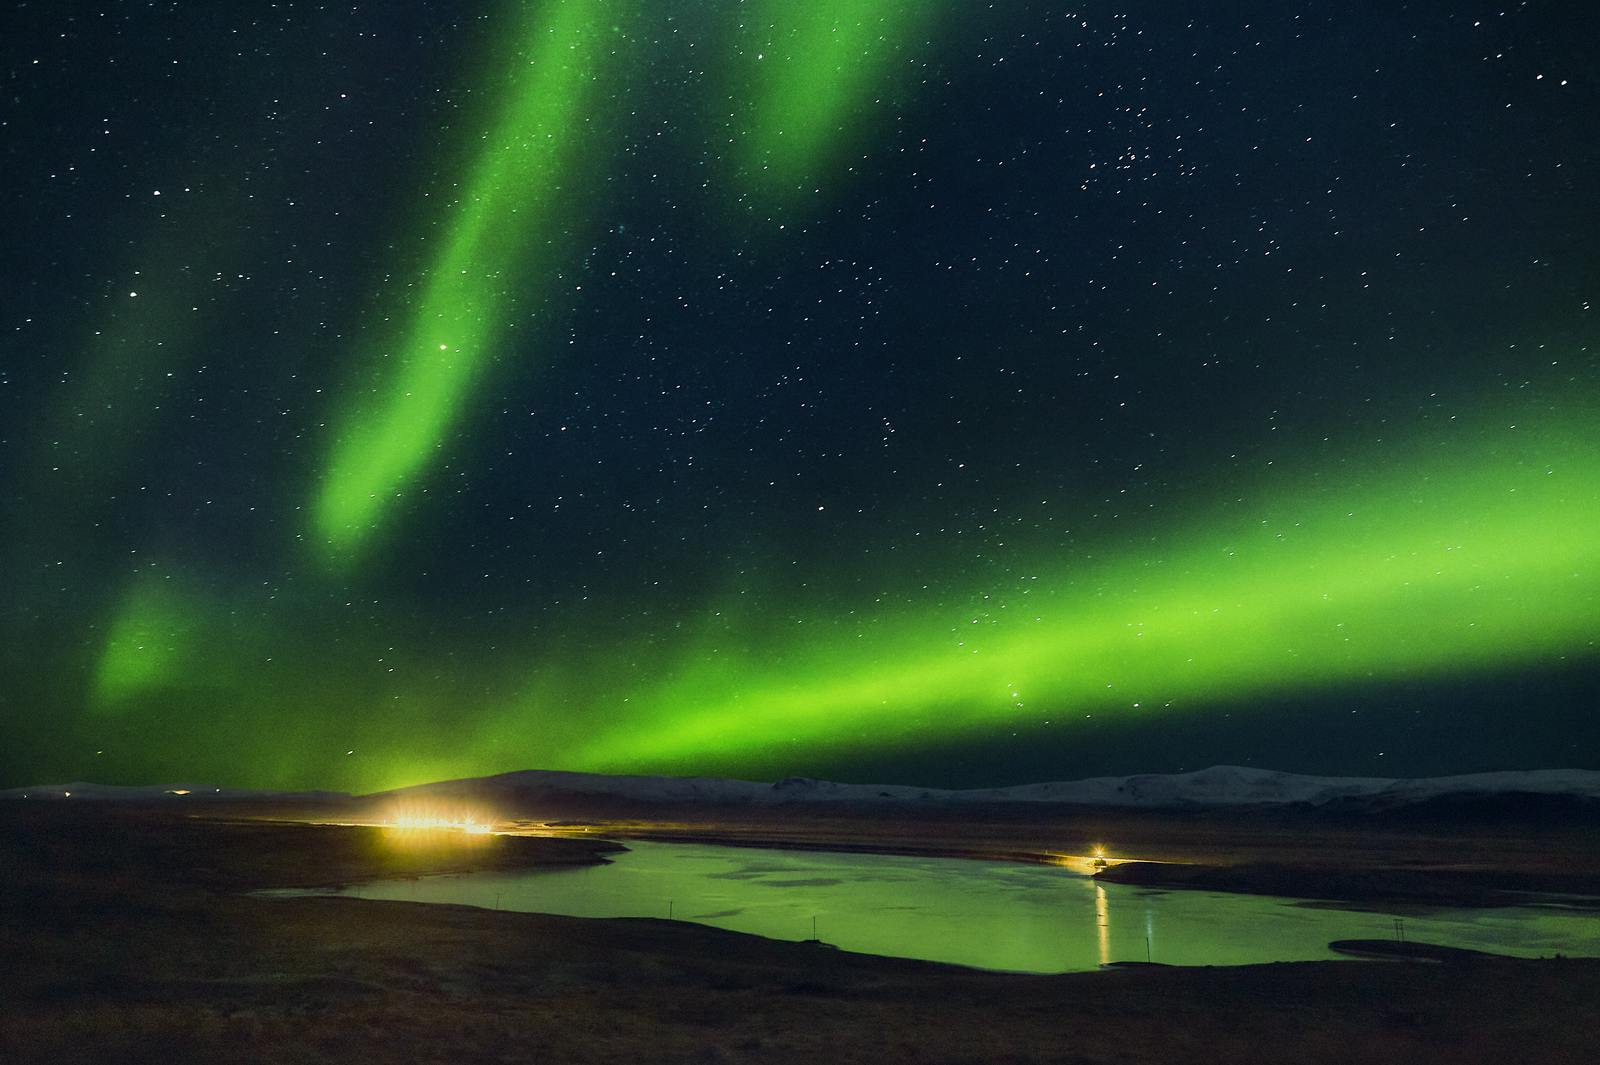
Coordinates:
column 1312, row 884
column 128, row 940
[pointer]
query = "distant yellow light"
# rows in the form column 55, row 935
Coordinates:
column 411, row 821
column 435, row 823
column 177, row 791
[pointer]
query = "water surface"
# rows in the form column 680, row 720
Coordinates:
column 996, row 915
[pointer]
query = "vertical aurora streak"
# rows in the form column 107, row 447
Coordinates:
column 813, row 69
column 483, row 280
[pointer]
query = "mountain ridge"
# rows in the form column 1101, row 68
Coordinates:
column 1216, row 786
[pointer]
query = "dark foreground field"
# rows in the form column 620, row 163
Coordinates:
column 125, row 938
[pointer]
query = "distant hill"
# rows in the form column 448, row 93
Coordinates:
column 1219, row 786
column 192, row 793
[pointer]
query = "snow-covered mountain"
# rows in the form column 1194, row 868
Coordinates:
column 1225, row 785
column 1219, row 786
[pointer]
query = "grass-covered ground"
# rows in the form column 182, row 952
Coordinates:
column 126, row 938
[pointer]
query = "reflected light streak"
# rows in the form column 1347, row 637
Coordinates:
column 1102, row 923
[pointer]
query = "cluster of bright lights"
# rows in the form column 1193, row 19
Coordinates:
column 419, row 822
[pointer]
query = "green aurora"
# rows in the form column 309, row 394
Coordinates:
column 809, row 71
column 493, row 257
column 815, row 65
column 148, row 646
column 1480, row 563
column 1441, row 562
column 292, row 500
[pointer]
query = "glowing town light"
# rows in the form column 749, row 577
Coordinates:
column 432, row 823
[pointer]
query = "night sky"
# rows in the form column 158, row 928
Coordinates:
column 930, row 392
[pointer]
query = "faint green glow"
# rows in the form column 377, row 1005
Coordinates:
column 149, row 644
column 813, row 68
column 148, row 332
column 1459, row 564
column 486, row 269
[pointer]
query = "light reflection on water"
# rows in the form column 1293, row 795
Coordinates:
column 1102, row 923
column 997, row 915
